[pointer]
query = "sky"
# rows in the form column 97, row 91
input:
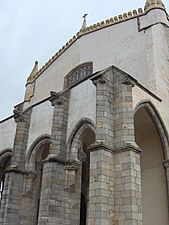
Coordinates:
column 34, row 30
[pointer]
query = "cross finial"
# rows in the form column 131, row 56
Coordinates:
column 84, row 16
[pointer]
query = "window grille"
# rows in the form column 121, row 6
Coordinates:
column 79, row 73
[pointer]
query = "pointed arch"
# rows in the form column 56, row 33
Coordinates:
column 158, row 122
column 5, row 154
column 34, row 150
column 74, row 141
column 5, row 158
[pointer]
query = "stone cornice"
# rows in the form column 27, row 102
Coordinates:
column 54, row 158
column 15, row 169
column 99, row 145
column 129, row 147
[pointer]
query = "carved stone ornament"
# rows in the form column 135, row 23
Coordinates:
column 98, row 79
column 81, row 155
column 18, row 114
column 29, row 184
column 56, row 98
column 71, row 176
column 166, row 163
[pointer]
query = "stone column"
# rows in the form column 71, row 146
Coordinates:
column 127, row 172
column 101, row 184
column 53, row 201
column 101, row 187
column 128, row 208
column 14, row 178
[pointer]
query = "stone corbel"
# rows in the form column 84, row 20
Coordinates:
column 56, row 98
column 71, row 176
column 18, row 114
column 98, row 79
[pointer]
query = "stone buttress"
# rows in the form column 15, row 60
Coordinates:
column 115, row 186
column 53, row 198
column 12, row 211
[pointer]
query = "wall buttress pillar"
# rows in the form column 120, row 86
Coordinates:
column 127, row 171
column 101, row 184
column 11, row 205
column 53, row 197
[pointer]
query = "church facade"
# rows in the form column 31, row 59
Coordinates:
column 89, row 144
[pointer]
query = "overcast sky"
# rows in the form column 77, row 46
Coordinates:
column 33, row 30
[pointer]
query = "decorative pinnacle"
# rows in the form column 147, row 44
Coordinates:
column 151, row 4
column 84, row 25
column 33, row 73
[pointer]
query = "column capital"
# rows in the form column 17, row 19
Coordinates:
column 19, row 115
column 98, row 79
column 57, row 98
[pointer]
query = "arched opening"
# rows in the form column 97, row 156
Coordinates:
column 153, row 176
column 88, row 137
column 42, row 154
column 5, row 159
column 83, row 210
column 38, row 151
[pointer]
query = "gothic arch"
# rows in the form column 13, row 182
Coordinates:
column 34, row 150
column 74, row 141
column 158, row 122
column 5, row 154
column 5, row 157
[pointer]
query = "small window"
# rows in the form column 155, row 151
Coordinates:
column 79, row 73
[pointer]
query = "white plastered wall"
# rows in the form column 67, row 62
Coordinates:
column 82, row 104
column 41, row 122
column 120, row 45
column 167, row 35
column 7, row 134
